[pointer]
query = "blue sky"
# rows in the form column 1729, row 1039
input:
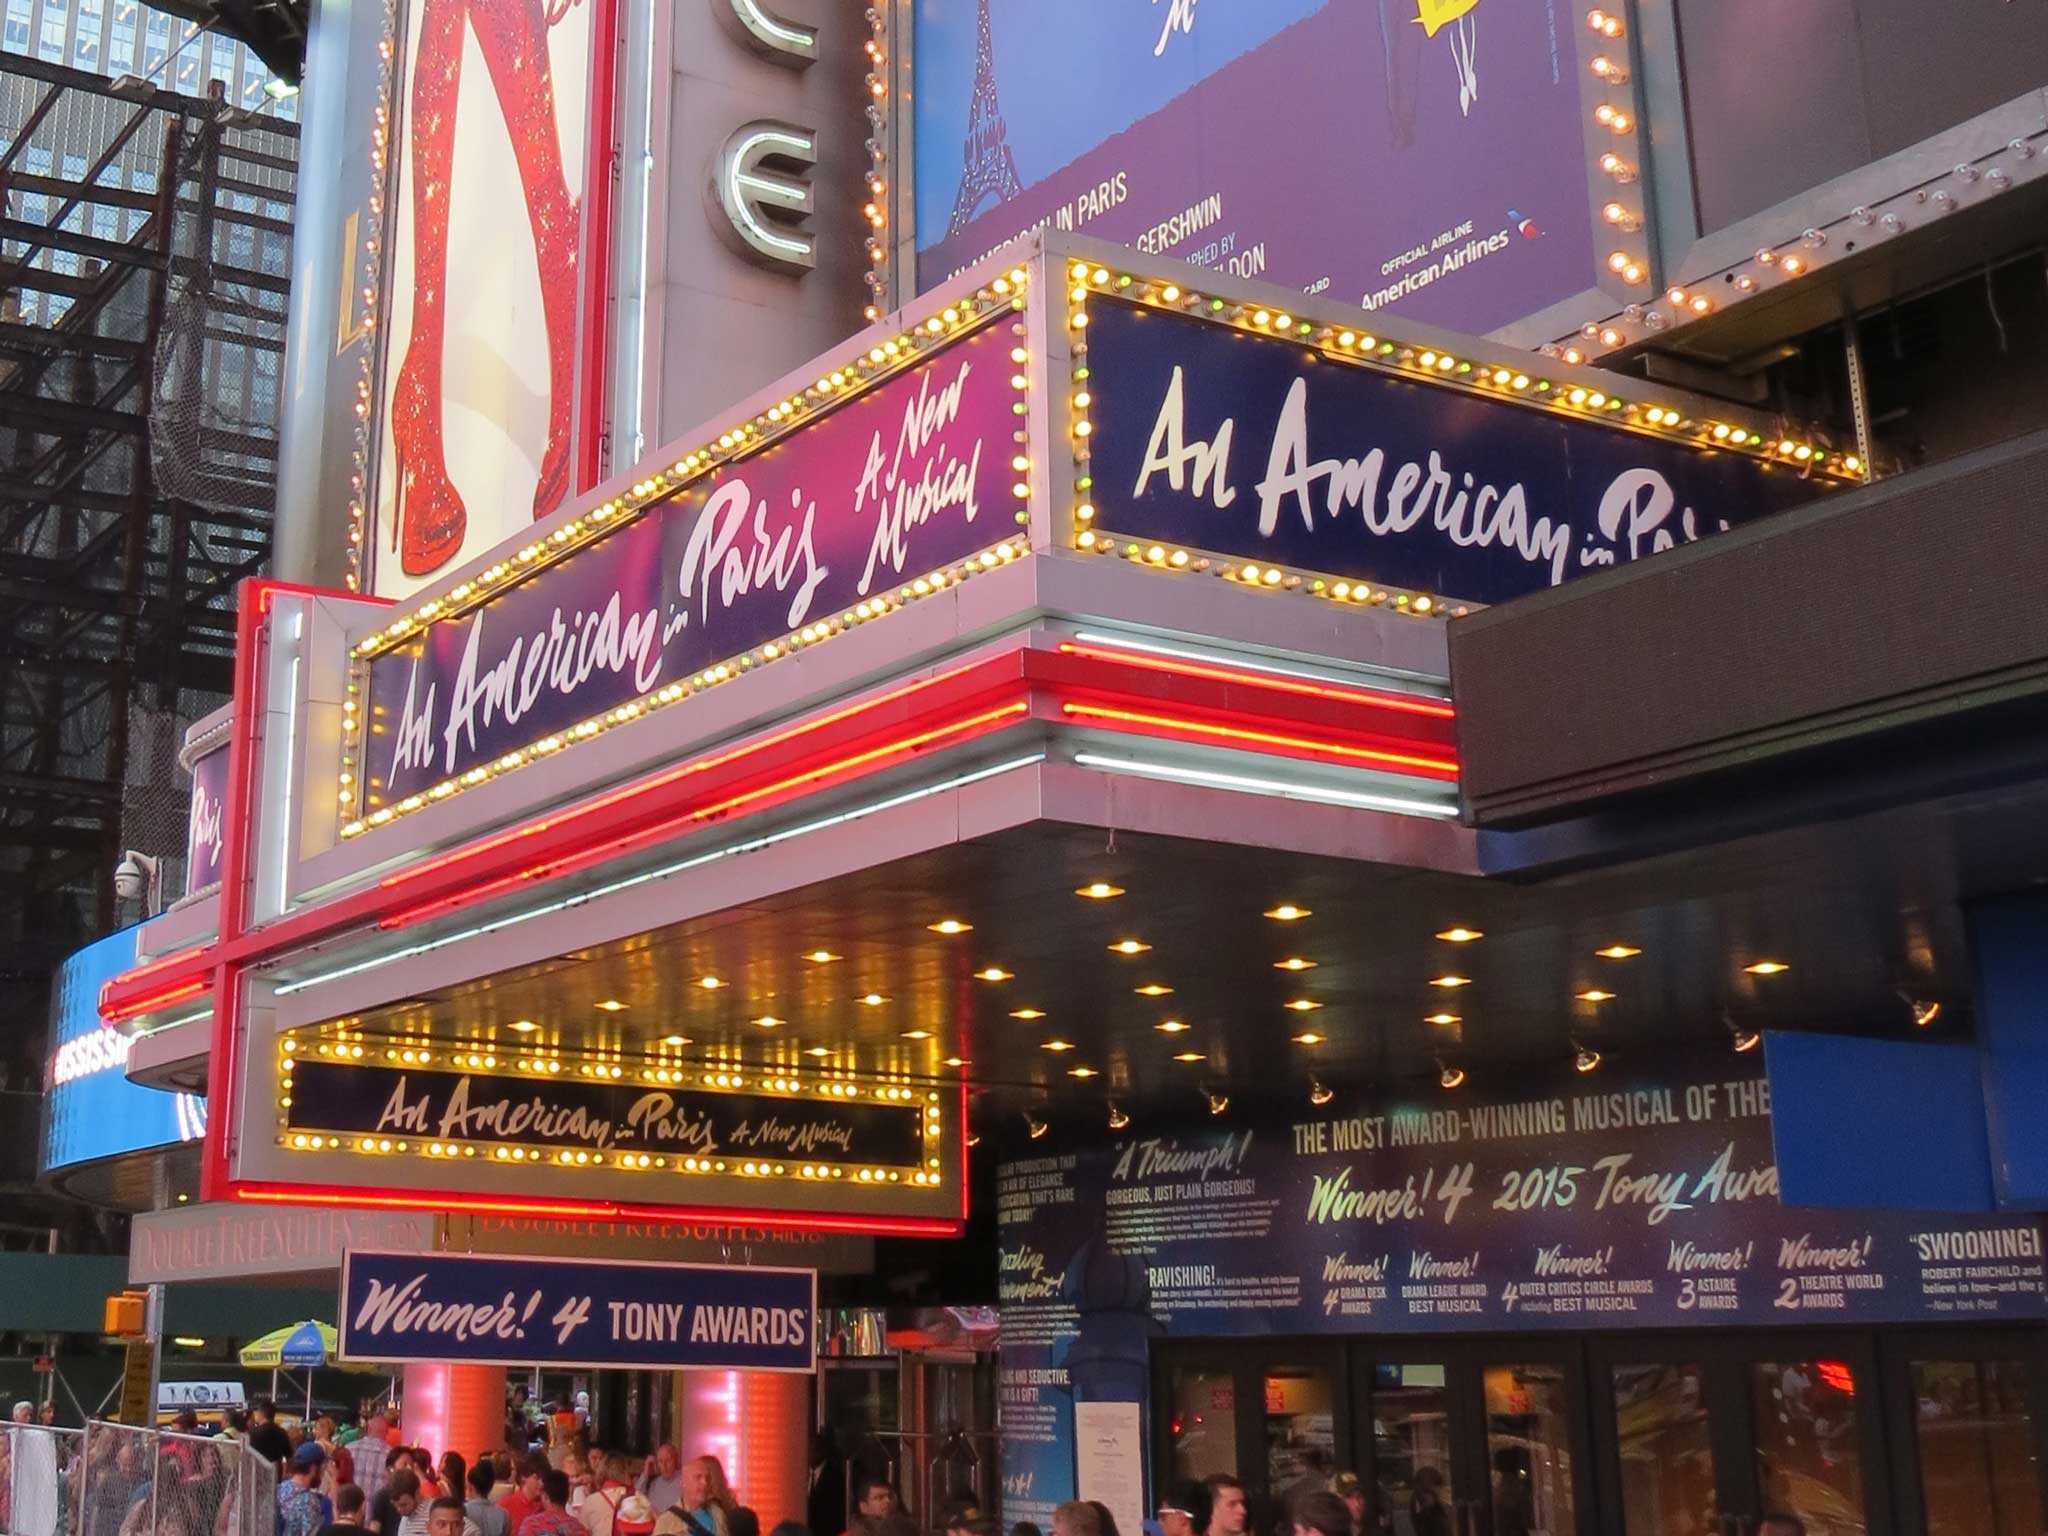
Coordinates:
column 1069, row 74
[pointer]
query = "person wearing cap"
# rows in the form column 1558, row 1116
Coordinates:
column 1349, row 1487
column 1184, row 1511
column 301, row 1508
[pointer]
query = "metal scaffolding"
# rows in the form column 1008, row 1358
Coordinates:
column 145, row 261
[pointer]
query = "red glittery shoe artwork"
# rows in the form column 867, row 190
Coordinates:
column 512, row 36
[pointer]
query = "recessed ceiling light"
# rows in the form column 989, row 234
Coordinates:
column 1767, row 968
column 817, row 1050
column 1294, row 963
column 675, row 1039
column 956, row 1061
column 950, row 925
column 1618, row 952
column 1441, row 1018
column 522, row 1026
column 1460, row 935
column 1154, row 989
column 1058, row 1045
column 710, row 983
column 994, row 973
column 821, row 957
column 1287, row 912
column 1450, row 981
column 874, row 1000
column 1171, row 1027
column 1309, row 1037
column 917, row 1034
column 612, row 1005
column 1027, row 1013
column 1190, row 1056
column 1302, row 1005
column 1595, row 995
column 1099, row 890
column 1082, row 1072
column 1130, row 946
column 769, row 1021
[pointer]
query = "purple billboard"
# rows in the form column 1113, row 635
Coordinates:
column 1422, row 156
column 904, row 479
column 203, row 829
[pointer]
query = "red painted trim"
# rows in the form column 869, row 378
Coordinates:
column 600, row 153
column 595, row 1210
column 1248, row 738
column 1399, row 703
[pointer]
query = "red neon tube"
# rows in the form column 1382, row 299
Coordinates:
column 1204, row 730
column 1399, row 703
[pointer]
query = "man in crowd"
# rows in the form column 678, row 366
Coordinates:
column 662, row 1481
column 301, row 1508
column 349, row 1508
column 266, row 1436
column 553, row 1518
column 1349, row 1487
column 1318, row 1512
column 399, row 1498
column 1227, row 1513
column 525, row 1501
column 877, row 1510
column 369, row 1457
column 489, row 1518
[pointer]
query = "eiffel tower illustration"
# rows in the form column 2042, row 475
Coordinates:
column 990, row 170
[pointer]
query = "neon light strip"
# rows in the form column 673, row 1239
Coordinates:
column 662, row 780
column 804, row 1221
column 1239, row 671
column 752, row 845
column 1373, row 755
column 1245, row 783
column 150, row 1002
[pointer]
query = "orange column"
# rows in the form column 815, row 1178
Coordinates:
column 758, row 1424
column 455, row 1408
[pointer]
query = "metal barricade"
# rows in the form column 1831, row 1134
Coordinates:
column 119, row 1480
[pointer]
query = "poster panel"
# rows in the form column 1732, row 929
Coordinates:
column 489, row 250
column 576, row 1312
column 1248, row 445
column 1421, row 156
column 204, row 843
column 1620, row 1203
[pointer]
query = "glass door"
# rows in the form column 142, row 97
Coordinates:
column 1969, row 1432
column 1276, row 1417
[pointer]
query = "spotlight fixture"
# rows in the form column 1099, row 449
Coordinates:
column 821, row 957
column 1057, row 1046
column 1302, row 1005
column 1287, row 912
column 1294, row 963
column 1924, row 1011
column 1618, row 952
column 1460, row 935
column 1171, row 1027
column 993, row 973
column 1082, row 1072
column 1033, row 1126
column 1442, row 1018
column 1190, row 1056
column 950, row 926
column 1449, row 1076
column 1309, row 1037
column 1450, row 981
column 1099, row 890
column 1153, row 989
column 1218, row 1101
column 1130, row 946
column 1027, row 1013
column 1118, row 1119
column 1596, row 995
column 1743, row 1039
column 1767, row 968
column 1319, row 1092
column 974, row 1138
column 1584, row 1058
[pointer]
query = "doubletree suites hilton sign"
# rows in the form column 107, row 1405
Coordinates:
column 696, row 1124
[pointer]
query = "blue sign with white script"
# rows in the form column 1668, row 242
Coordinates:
column 1248, row 445
column 572, row 1312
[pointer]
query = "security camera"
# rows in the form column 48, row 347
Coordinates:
column 138, row 877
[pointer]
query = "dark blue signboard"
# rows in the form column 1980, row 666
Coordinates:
column 1246, row 445
column 523, row 1311
column 1585, row 1204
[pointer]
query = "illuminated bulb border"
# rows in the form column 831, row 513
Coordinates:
column 776, row 1080
column 1509, row 378
column 368, row 262
column 880, row 118
column 883, row 360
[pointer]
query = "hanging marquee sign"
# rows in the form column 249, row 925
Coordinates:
column 572, row 1312
column 626, row 1122
column 203, row 837
column 1223, row 439
column 774, row 548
